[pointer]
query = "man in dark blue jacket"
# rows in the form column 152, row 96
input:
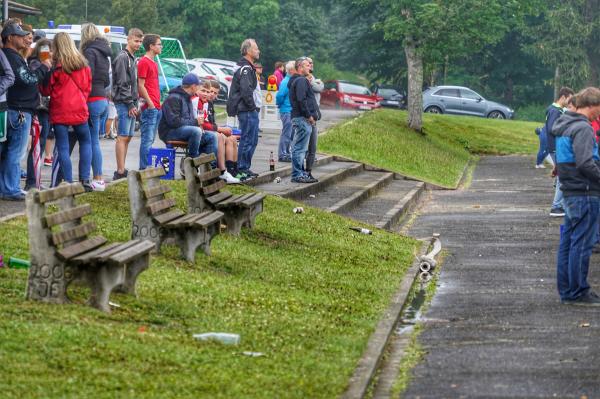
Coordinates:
column 22, row 98
column 579, row 169
column 179, row 121
column 241, row 104
column 305, row 114
column 554, row 112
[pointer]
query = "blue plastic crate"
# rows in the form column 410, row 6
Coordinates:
column 164, row 157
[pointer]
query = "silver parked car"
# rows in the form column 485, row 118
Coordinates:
column 462, row 101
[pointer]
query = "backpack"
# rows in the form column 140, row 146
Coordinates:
column 234, row 98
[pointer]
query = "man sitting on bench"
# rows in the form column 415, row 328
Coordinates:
column 178, row 122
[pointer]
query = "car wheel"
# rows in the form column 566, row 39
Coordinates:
column 434, row 110
column 496, row 115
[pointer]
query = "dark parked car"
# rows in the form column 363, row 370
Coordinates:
column 462, row 101
column 393, row 97
column 343, row 94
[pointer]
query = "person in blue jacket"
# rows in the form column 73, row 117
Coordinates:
column 578, row 165
column 554, row 112
column 282, row 100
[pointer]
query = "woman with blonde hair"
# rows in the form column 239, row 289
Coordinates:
column 69, row 89
column 96, row 50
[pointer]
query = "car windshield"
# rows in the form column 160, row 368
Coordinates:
column 350, row 88
column 387, row 92
column 174, row 69
column 208, row 69
column 227, row 71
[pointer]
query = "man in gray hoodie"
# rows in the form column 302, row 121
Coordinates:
column 578, row 165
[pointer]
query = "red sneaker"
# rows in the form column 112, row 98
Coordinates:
column 47, row 161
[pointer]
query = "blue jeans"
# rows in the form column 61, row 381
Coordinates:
column 311, row 155
column 557, row 202
column 191, row 134
column 17, row 132
column 126, row 125
column 543, row 151
column 285, row 141
column 148, row 126
column 302, row 133
column 44, row 120
column 82, row 133
column 98, row 111
column 576, row 242
column 248, row 139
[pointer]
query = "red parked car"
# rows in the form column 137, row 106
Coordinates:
column 343, row 94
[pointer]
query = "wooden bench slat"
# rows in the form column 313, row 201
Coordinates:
column 81, row 247
column 207, row 220
column 213, row 188
column 104, row 256
column 214, row 199
column 210, row 175
column 178, row 143
column 231, row 201
column 150, row 173
column 66, row 216
column 62, row 191
column 79, row 231
column 204, row 158
column 161, row 205
column 140, row 248
column 256, row 198
column 151, row 192
column 168, row 216
column 186, row 220
column 88, row 256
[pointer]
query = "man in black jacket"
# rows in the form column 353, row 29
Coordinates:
column 305, row 114
column 22, row 101
column 241, row 103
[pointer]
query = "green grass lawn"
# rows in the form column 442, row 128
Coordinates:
column 382, row 138
column 301, row 288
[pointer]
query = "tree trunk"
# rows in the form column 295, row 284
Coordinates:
column 509, row 90
column 415, row 85
column 556, row 82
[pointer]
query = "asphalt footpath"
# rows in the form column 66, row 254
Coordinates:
column 495, row 327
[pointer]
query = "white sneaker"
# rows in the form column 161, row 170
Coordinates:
column 541, row 166
column 98, row 185
column 229, row 178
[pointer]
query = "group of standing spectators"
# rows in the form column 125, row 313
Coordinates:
column 570, row 138
column 62, row 90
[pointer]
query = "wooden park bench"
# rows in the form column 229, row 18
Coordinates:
column 204, row 193
column 61, row 250
column 155, row 217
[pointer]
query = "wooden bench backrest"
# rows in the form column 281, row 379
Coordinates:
column 60, row 231
column 202, row 181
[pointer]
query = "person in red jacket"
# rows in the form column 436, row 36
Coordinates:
column 596, row 127
column 69, row 88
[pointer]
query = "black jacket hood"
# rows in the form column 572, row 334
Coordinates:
column 101, row 45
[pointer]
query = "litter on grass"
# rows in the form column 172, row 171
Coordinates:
column 224, row 338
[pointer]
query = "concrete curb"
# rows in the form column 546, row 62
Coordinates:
column 371, row 358
column 361, row 195
column 299, row 193
column 6, row 218
column 403, row 207
column 285, row 171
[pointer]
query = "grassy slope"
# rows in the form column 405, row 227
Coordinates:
column 302, row 289
column 382, row 138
